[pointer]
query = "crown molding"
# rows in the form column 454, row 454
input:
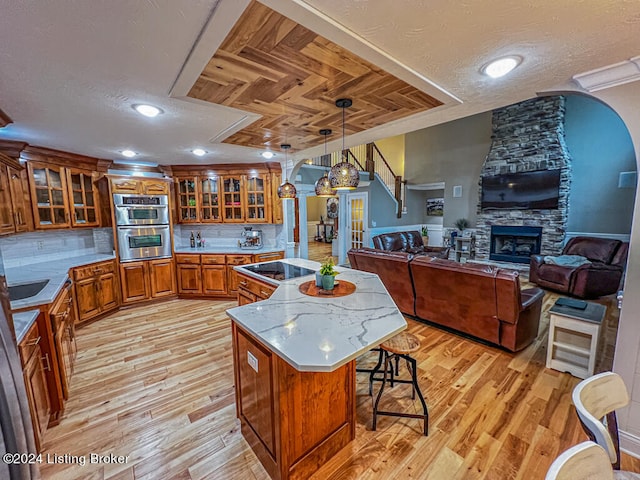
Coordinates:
column 609, row 76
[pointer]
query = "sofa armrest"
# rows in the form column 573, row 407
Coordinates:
column 530, row 296
column 535, row 262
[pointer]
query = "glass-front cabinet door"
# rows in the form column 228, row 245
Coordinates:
column 256, row 199
column 84, row 199
column 187, row 200
column 232, row 194
column 48, row 186
column 210, row 199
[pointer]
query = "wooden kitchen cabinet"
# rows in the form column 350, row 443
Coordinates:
column 138, row 185
column 63, row 325
column 277, row 215
column 257, row 191
column 97, row 289
column 253, row 290
column 198, row 199
column 201, row 275
column 214, row 275
column 268, row 257
column 63, row 197
column 35, row 382
column 232, row 275
column 15, row 205
column 147, row 279
column 233, row 198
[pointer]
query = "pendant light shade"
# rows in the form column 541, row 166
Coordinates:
column 323, row 185
column 286, row 190
column 344, row 175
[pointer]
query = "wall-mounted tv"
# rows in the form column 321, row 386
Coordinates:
column 522, row 191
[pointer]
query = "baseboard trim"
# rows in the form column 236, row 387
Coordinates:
column 629, row 443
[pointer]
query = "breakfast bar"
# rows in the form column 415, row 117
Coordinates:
column 294, row 364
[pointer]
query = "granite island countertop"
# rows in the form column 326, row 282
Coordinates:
column 320, row 334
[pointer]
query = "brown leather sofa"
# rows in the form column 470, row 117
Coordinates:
column 410, row 242
column 479, row 300
column 601, row 277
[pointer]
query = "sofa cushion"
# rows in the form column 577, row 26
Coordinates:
column 595, row 249
column 399, row 242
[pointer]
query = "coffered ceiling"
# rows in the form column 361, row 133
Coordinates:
column 235, row 75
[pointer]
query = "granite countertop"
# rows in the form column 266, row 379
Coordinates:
column 320, row 334
column 232, row 249
column 22, row 322
column 55, row 271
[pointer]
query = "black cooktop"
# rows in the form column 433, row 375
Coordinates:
column 279, row 270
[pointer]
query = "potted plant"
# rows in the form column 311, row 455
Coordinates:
column 328, row 273
column 462, row 224
column 425, row 235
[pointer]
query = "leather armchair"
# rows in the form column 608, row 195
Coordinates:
column 601, row 277
column 410, row 242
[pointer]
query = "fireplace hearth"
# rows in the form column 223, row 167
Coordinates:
column 514, row 243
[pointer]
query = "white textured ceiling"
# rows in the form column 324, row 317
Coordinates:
column 70, row 70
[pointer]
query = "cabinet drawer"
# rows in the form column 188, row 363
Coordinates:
column 187, row 258
column 258, row 288
column 213, row 259
column 80, row 273
column 239, row 259
column 268, row 257
column 29, row 343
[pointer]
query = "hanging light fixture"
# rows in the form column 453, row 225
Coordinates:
column 343, row 175
column 323, row 185
column 286, row 190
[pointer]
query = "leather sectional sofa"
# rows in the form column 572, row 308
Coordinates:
column 602, row 276
column 479, row 300
column 410, row 242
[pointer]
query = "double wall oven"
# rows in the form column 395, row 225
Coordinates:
column 142, row 224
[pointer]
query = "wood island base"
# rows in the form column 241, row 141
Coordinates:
column 294, row 421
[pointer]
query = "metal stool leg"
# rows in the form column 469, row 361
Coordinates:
column 416, row 387
column 384, row 381
column 375, row 370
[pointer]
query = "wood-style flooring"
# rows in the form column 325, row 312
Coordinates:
column 154, row 384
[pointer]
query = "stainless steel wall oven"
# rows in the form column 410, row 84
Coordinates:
column 142, row 225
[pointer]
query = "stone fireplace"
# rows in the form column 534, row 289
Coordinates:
column 527, row 136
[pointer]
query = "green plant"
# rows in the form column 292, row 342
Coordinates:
column 461, row 224
column 425, row 231
column 326, row 267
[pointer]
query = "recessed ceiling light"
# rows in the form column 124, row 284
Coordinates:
column 268, row 155
column 147, row 110
column 502, row 66
column 128, row 153
column 198, row 151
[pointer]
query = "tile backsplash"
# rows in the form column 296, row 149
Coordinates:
column 221, row 235
column 34, row 247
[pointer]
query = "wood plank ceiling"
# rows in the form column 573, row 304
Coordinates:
column 272, row 66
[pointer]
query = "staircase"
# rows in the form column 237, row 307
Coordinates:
column 368, row 158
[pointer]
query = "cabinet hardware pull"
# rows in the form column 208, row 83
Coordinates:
column 266, row 294
column 243, row 283
column 35, row 342
column 46, row 358
column 20, row 222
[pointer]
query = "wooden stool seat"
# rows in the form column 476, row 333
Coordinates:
column 399, row 346
column 403, row 343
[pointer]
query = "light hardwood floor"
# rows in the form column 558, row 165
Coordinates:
column 154, row 383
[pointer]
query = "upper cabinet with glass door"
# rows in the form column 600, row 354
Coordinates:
column 187, row 200
column 233, row 198
column 48, row 195
column 210, row 210
column 83, row 197
column 198, row 199
column 257, row 210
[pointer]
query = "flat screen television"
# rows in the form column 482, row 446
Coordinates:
column 522, row 191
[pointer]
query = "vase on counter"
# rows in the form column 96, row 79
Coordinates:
column 328, row 282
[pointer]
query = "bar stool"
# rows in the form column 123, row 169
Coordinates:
column 397, row 347
column 372, row 371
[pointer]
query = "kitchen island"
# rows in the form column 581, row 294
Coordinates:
column 294, row 365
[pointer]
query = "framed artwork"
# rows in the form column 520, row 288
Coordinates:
column 435, row 207
column 332, row 208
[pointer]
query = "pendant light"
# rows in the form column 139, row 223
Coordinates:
column 323, row 185
column 343, row 175
column 286, row 190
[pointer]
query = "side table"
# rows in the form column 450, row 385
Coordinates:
column 573, row 338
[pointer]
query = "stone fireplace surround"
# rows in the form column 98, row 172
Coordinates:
column 527, row 136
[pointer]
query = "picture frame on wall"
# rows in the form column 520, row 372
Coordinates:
column 435, row 207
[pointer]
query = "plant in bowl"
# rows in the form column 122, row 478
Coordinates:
column 462, row 224
column 424, row 231
column 328, row 273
